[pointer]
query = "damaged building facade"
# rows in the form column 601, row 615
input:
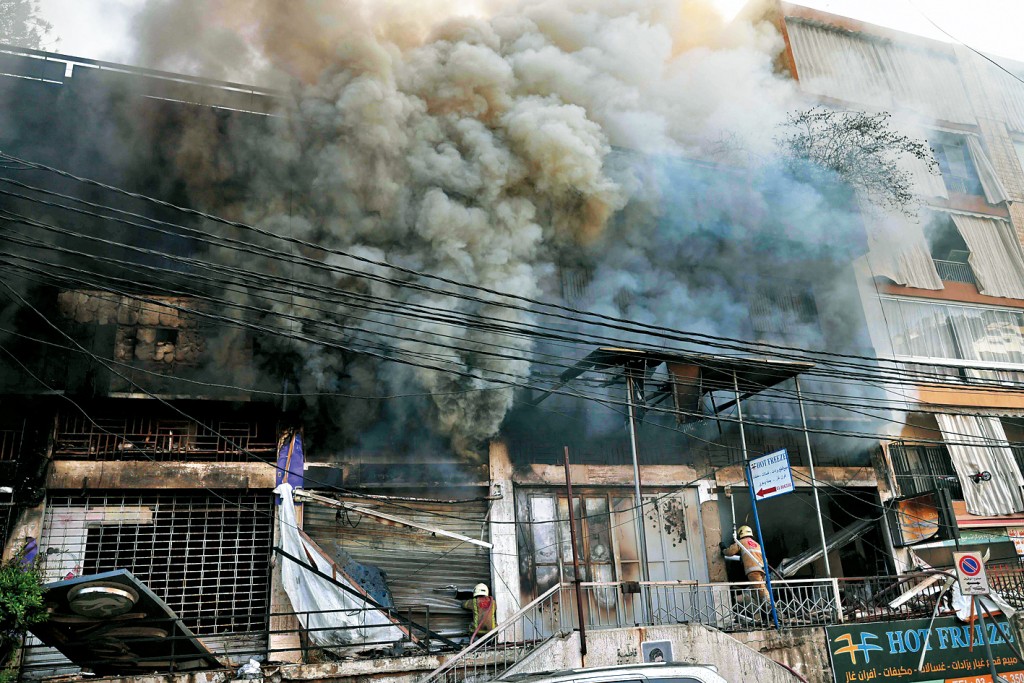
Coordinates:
column 134, row 438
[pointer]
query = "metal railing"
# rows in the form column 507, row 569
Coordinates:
column 878, row 598
column 955, row 271
column 491, row 655
column 725, row 606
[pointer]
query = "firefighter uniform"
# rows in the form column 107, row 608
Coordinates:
column 749, row 551
column 484, row 608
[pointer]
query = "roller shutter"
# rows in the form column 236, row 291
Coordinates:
column 415, row 561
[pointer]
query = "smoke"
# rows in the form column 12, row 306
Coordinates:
column 499, row 148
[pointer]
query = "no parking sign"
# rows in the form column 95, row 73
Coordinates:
column 970, row 572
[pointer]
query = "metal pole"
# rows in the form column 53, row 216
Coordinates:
column 980, row 605
column 739, row 414
column 641, row 531
column 814, row 482
column 575, row 565
column 764, row 555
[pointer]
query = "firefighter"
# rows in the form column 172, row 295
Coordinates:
column 747, row 550
column 483, row 607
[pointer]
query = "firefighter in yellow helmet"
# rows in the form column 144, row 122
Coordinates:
column 484, row 608
column 747, row 550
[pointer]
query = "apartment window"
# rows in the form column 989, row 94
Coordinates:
column 936, row 330
column 1019, row 146
column 949, row 251
column 922, row 469
column 958, row 170
column 777, row 308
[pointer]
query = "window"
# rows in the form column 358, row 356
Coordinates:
column 958, row 171
column 1019, row 146
column 779, row 307
column 920, row 329
column 922, row 469
column 206, row 555
column 552, row 541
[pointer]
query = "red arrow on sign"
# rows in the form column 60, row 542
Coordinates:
column 764, row 492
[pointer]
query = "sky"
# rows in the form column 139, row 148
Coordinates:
column 101, row 29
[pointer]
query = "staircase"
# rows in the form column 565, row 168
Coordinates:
column 514, row 639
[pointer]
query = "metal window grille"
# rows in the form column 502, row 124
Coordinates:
column 954, row 271
column 922, row 469
column 146, row 437
column 779, row 306
column 206, row 555
column 12, row 436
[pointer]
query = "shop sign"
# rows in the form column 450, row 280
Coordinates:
column 1016, row 534
column 892, row 650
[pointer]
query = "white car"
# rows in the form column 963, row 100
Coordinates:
column 627, row 673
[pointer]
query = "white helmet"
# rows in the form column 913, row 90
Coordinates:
column 480, row 589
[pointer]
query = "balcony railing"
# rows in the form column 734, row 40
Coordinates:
column 606, row 605
column 955, row 271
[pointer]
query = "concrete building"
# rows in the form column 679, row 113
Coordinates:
column 132, row 442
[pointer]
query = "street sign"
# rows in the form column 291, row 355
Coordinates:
column 970, row 571
column 770, row 475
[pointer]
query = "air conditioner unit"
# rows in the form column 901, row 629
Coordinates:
column 656, row 651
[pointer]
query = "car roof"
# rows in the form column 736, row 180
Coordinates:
column 659, row 669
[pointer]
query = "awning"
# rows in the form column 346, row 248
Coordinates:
column 996, row 255
column 693, row 374
column 978, row 447
column 113, row 624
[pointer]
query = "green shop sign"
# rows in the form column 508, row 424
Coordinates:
column 892, row 650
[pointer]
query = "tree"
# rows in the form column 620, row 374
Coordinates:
column 21, row 605
column 860, row 148
column 20, row 24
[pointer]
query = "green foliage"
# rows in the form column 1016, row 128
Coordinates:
column 21, row 605
column 20, row 24
column 860, row 149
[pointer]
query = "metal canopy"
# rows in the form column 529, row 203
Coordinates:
column 112, row 623
column 694, row 373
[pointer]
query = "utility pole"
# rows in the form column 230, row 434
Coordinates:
column 641, row 532
column 575, row 564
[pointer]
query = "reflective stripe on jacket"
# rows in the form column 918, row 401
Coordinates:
column 753, row 559
column 483, row 608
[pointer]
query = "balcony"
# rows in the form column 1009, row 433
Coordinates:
column 954, row 271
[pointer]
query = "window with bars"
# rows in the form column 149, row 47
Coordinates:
column 148, row 437
column 922, row 469
column 12, row 436
column 777, row 307
column 206, row 555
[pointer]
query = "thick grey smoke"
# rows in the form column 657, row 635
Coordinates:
column 495, row 150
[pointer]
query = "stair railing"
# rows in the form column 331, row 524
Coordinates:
column 496, row 651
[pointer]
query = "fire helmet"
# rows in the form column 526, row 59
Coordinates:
column 480, row 589
column 744, row 532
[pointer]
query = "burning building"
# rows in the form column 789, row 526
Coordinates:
column 423, row 280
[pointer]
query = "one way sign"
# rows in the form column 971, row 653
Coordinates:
column 770, row 475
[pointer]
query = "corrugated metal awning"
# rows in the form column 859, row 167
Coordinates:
column 415, row 562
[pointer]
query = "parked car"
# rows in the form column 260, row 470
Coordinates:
column 661, row 672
